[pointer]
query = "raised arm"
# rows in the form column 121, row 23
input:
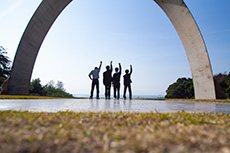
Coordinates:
column 119, row 67
column 100, row 64
column 111, row 66
column 131, row 69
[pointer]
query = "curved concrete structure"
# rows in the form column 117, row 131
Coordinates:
column 30, row 44
column 177, row 12
column 194, row 45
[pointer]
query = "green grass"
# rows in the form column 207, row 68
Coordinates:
column 36, row 97
column 189, row 100
column 202, row 100
column 43, row 97
column 105, row 132
column 25, row 97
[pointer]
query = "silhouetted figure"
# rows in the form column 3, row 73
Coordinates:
column 127, row 82
column 107, row 79
column 116, row 82
column 95, row 81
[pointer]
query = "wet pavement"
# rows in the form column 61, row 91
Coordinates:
column 88, row 105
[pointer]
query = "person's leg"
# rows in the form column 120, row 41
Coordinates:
column 105, row 92
column 124, row 96
column 118, row 92
column 92, row 89
column 108, row 93
column 97, row 86
column 130, row 92
column 114, row 91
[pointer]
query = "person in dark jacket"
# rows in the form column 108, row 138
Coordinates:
column 107, row 79
column 116, row 82
column 127, row 82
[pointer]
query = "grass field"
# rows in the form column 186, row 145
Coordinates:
column 25, row 97
column 189, row 100
column 106, row 132
column 43, row 97
column 33, row 97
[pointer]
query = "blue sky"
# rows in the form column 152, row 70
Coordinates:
column 133, row 32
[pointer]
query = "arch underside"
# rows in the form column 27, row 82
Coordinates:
column 177, row 12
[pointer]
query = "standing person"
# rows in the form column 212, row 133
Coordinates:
column 95, row 81
column 116, row 81
column 127, row 82
column 107, row 79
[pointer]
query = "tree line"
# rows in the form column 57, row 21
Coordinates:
column 50, row 89
column 5, row 65
column 183, row 87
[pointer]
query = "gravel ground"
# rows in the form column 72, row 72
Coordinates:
column 104, row 132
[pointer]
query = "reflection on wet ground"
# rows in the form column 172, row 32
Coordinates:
column 87, row 105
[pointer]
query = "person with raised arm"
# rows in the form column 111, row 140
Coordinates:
column 116, row 82
column 127, row 82
column 94, row 76
column 107, row 79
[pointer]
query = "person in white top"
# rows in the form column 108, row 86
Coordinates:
column 94, row 76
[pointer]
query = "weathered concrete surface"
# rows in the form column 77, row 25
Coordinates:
column 101, row 105
column 194, row 45
column 30, row 43
column 177, row 12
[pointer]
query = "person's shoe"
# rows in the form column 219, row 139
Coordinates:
column 90, row 97
column 98, row 98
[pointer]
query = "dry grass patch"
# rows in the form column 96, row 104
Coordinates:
column 189, row 100
column 27, row 97
column 114, row 132
column 202, row 100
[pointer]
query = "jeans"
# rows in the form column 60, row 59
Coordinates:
column 130, row 91
column 116, row 89
column 107, row 91
column 95, row 82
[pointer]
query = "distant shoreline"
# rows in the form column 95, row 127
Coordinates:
column 134, row 96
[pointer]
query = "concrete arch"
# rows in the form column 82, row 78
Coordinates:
column 177, row 12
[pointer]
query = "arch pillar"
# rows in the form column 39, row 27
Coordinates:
column 194, row 45
column 177, row 12
column 30, row 43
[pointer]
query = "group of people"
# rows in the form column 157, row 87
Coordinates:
column 109, row 80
